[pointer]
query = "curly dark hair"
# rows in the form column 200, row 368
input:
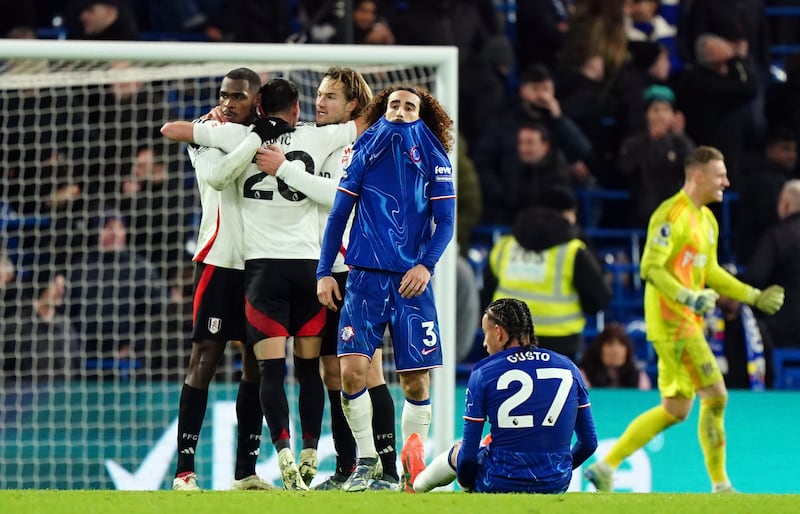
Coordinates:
column 592, row 361
column 430, row 111
column 515, row 317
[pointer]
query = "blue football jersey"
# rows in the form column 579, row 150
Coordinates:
column 531, row 400
column 401, row 180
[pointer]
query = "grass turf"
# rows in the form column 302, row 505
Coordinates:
column 334, row 502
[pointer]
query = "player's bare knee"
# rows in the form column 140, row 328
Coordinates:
column 331, row 374
column 454, row 453
column 415, row 384
column 375, row 376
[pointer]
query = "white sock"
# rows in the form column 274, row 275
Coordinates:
column 358, row 412
column 438, row 473
column 415, row 418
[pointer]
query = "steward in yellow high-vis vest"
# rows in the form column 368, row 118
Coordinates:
column 544, row 264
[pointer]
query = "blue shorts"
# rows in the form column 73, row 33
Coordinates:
column 371, row 302
column 517, row 472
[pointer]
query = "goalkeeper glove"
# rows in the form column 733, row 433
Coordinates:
column 770, row 300
column 699, row 301
column 269, row 129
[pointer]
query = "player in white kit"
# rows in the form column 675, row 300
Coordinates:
column 341, row 96
column 281, row 248
column 218, row 307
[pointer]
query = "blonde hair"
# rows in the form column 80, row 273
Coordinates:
column 355, row 87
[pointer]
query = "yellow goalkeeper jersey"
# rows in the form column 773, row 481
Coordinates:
column 682, row 240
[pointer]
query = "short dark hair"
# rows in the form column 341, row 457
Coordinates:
column 777, row 135
column 539, row 127
column 535, row 73
column 252, row 78
column 278, row 95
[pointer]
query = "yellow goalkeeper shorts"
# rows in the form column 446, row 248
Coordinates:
column 684, row 366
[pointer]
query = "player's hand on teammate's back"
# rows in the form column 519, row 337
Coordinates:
column 414, row 281
column 269, row 159
column 770, row 300
column 328, row 293
column 699, row 301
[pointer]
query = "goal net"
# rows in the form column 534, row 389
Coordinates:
column 98, row 219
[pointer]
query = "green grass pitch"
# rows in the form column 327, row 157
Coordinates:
column 334, row 502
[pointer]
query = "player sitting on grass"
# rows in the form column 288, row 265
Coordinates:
column 534, row 400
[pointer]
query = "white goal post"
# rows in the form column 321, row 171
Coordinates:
column 24, row 64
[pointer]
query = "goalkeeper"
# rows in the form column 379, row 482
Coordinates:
column 683, row 279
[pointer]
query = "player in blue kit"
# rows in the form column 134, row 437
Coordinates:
column 401, row 180
column 534, row 399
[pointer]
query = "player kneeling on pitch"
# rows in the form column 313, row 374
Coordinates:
column 534, row 400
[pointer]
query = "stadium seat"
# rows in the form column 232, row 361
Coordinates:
column 121, row 368
column 787, row 368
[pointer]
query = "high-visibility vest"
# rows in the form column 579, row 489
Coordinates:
column 543, row 280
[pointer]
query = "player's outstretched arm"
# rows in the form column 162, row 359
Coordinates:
column 181, row 131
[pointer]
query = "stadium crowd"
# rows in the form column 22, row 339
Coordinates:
column 590, row 95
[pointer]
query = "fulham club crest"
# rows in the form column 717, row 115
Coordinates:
column 214, row 325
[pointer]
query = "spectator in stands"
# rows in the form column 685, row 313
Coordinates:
column 468, row 302
column 543, row 263
column 155, row 212
column 764, row 177
column 541, row 26
column 777, row 261
column 469, row 204
column 651, row 161
column 105, row 20
column 468, row 211
column 649, row 65
column 37, row 339
column 644, row 23
column 483, row 89
column 19, row 21
column 712, row 94
column 597, row 27
column 743, row 24
column 541, row 166
column 783, row 98
column 114, row 298
column 585, row 99
column 118, row 126
column 496, row 151
column 46, row 190
column 609, row 361
column 368, row 26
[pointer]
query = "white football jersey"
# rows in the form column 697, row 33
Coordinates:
column 279, row 221
column 221, row 233
column 334, row 168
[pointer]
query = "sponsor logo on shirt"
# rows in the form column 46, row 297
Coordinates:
column 443, row 173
